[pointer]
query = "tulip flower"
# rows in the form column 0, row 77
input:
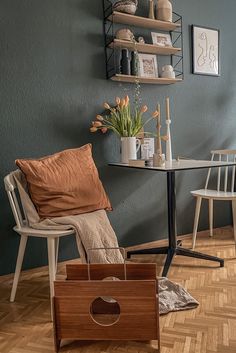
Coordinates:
column 93, row 129
column 104, row 130
column 143, row 109
column 126, row 101
column 122, row 103
column 117, row 100
column 97, row 123
column 106, row 106
column 99, row 117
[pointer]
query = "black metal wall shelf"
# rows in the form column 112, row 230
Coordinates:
column 113, row 46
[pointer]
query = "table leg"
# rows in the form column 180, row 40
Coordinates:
column 171, row 204
column 169, row 258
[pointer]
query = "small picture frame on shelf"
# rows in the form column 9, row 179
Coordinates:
column 148, row 65
column 206, row 52
column 161, row 39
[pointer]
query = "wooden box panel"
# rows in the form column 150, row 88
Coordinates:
column 138, row 310
column 99, row 271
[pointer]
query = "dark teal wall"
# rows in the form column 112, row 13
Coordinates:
column 52, row 84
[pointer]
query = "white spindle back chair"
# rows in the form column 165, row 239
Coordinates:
column 224, row 190
column 24, row 230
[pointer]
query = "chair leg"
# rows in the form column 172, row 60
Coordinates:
column 52, row 268
column 234, row 219
column 56, row 252
column 196, row 219
column 20, row 257
column 211, row 216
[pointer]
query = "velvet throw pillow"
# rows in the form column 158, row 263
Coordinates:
column 65, row 183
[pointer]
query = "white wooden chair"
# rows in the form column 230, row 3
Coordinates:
column 25, row 231
column 224, row 193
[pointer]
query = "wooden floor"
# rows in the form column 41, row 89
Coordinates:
column 25, row 325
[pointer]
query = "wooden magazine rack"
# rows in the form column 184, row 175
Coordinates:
column 88, row 305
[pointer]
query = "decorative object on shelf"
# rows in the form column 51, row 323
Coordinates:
column 125, row 34
column 148, row 65
column 151, row 10
column 134, row 63
column 125, row 62
column 168, row 141
column 125, row 123
column 206, row 52
column 126, row 6
column 129, row 148
column 141, row 40
column 164, row 10
column 161, row 39
column 167, row 71
column 147, row 148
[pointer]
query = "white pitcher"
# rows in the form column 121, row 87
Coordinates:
column 129, row 148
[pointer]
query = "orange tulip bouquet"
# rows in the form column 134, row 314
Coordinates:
column 122, row 120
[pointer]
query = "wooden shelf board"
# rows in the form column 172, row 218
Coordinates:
column 144, row 48
column 150, row 80
column 132, row 20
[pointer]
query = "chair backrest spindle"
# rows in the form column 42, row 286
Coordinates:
column 227, row 156
column 11, row 187
column 226, row 175
column 233, row 176
column 219, row 175
column 209, row 172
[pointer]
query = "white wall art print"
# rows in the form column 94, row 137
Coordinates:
column 206, row 59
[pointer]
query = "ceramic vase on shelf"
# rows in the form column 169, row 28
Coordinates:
column 168, row 71
column 164, row 10
column 134, row 65
column 125, row 62
column 129, row 148
column 151, row 10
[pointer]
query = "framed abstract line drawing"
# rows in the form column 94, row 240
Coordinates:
column 206, row 51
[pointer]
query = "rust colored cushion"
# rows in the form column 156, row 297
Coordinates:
column 65, row 183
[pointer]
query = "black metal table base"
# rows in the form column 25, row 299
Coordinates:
column 174, row 245
column 171, row 252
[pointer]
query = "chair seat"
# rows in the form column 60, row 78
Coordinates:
column 214, row 194
column 25, row 230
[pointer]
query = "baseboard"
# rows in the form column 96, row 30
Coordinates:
column 163, row 242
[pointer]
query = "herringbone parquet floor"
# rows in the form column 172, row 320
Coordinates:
column 25, row 325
